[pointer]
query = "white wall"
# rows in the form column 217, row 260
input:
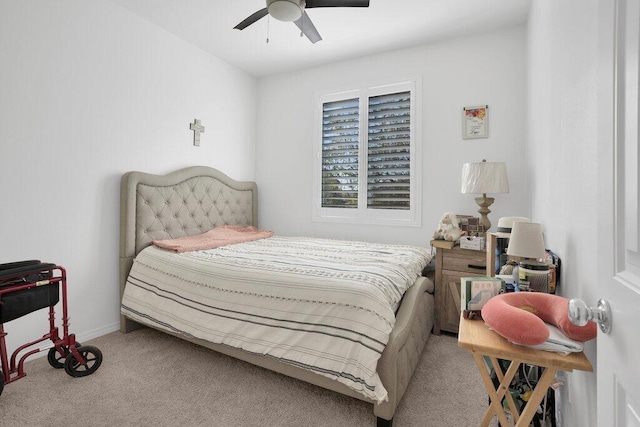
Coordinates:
column 562, row 152
column 484, row 69
column 89, row 91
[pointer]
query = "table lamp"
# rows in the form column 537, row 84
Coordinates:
column 482, row 178
column 527, row 242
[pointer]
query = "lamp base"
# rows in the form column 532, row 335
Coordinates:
column 484, row 202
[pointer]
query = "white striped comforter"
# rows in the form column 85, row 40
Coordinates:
column 323, row 305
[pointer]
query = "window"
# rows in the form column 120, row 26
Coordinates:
column 367, row 156
column 340, row 153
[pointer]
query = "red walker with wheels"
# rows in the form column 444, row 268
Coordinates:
column 25, row 287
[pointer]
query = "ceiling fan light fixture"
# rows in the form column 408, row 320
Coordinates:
column 285, row 10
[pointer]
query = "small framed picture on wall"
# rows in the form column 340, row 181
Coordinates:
column 475, row 122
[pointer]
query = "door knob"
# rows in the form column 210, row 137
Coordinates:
column 580, row 314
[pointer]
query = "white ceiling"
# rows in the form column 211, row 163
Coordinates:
column 346, row 32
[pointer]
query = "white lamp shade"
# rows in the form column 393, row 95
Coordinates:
column 285, row 10
column 484, row 177
column 526, row 240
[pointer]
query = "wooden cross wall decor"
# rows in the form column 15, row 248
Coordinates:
column 197, row 129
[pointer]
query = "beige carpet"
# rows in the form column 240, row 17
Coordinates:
column 151, row 379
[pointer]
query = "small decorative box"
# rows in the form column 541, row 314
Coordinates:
column 472, row 242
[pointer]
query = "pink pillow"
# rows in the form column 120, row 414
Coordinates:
column 520, row 317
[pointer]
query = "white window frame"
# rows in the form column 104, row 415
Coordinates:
column 361, row 214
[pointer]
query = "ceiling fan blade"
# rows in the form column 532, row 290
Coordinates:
column 253, row 18
column 308, row 29
column 337, row 3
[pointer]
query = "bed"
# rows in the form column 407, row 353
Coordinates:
column 194, row 200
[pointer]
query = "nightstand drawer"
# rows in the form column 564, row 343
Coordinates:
column 476, row 265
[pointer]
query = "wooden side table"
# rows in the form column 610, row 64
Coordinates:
column 476, row 337
column 453, row 263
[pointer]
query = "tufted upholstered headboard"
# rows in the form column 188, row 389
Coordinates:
column 182, row 203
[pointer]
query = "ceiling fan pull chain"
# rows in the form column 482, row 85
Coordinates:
column 268, row 21
column 302, row 26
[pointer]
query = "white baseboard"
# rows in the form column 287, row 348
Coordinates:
column 104, row 330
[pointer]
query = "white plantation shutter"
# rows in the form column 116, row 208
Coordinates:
column 340, row 153
column 367, row 155
column 389, row 151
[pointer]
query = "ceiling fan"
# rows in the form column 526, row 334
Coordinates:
column 294, row 10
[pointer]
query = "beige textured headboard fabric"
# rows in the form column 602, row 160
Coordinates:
column 186, row 202
column 183, row 203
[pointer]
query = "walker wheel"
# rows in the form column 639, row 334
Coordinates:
column 57, row 360
column 93, row 360
column 1, row 382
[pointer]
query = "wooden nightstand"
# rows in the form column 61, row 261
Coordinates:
column 452, row 263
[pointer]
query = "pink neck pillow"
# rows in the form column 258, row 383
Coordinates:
column 520, row 317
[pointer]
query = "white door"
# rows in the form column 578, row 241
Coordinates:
column 618, row 363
